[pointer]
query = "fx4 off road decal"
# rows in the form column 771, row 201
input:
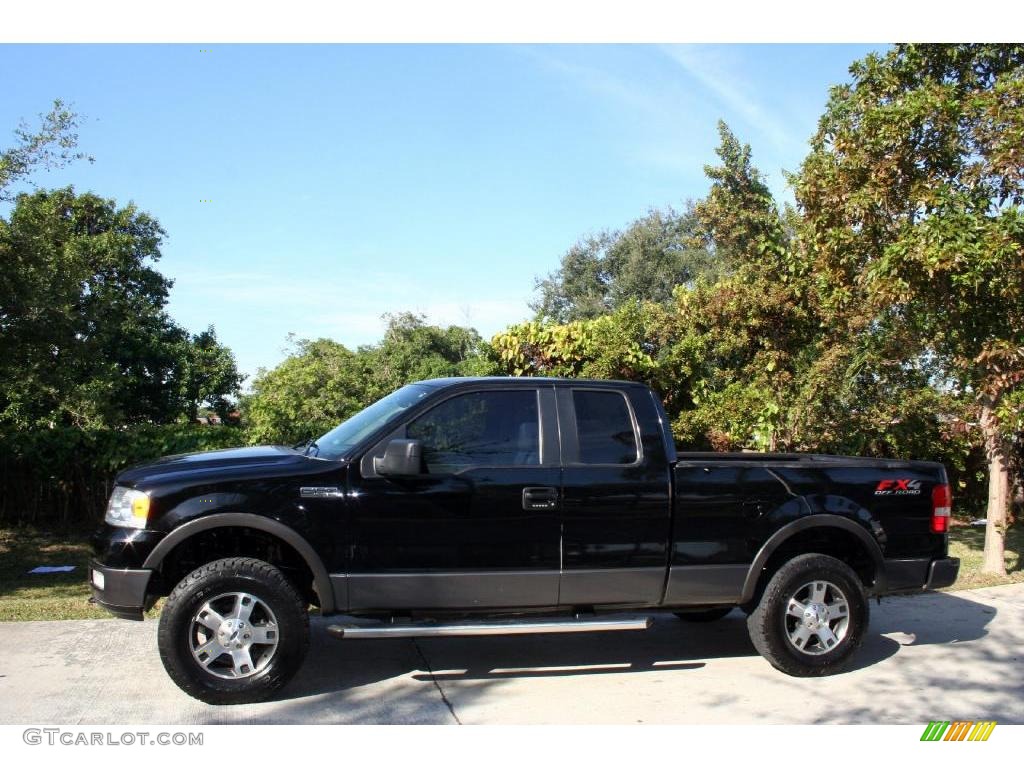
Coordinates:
column 898, row 487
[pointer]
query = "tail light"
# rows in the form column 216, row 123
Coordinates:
column 942, row 504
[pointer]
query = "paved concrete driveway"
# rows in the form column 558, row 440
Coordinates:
column 938, row 656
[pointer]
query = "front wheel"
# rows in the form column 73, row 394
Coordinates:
column 811, row 618
column 233, row 631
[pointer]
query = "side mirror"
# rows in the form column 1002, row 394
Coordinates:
column 401, row 458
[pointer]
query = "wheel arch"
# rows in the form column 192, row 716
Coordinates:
column 834, row 527
column 246, row 520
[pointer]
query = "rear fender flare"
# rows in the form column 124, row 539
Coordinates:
column 780, row 537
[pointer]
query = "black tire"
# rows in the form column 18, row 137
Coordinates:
column 770, row 624
column 706, row 616
column 269, row 586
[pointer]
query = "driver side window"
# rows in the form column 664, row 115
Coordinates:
column 497, row 428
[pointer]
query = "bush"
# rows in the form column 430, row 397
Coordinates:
column 64, row 475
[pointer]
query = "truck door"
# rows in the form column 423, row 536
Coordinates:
column 616, row 502
column 480, row 528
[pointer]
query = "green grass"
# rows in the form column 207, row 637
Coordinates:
column 46, row 596
column 967, row 542
column 25, row 597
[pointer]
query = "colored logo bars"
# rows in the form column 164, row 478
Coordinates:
column 960, row 730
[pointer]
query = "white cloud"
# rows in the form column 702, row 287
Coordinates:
column 488, row 316
column 626, row 92
column 718, row 74
column 659, row 112
column 353, row 317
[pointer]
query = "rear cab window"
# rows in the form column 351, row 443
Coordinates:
column 604, row 427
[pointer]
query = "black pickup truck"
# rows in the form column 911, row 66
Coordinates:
column 476, row 506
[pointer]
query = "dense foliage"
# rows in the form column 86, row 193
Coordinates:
column 84, row 336
column 64, row 474
column 322, row 382
column 602, row 272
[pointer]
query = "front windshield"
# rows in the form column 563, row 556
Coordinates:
column 350, row 433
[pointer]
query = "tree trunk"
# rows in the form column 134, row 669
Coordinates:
column 998, row 493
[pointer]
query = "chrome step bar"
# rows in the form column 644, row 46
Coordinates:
column 468, row 629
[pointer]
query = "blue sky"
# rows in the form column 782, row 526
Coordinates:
column 350, row 181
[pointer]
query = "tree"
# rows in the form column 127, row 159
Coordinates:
column 320, row 384
column 208, row 374
column 913, row 195
column 724, row 354
column 620, row 345
column 603, row 272
column 84, row 338
column 755, row 328
column 51, row 146
column 412, row 350
column 739, row 218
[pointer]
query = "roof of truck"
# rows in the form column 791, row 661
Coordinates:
column 551, row 380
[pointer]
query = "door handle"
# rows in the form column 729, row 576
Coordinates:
column 540, row 498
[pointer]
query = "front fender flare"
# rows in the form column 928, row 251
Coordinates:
column 321, row 579
column 778, row 538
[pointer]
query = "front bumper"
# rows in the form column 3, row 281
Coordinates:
column 118, row 547
column 122, row 591
column 919, row 574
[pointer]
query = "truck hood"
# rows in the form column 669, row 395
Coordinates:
column 264, row 460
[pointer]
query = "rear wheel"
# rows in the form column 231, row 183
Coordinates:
column 233, row 631
column 707, row 615
column 812, row 616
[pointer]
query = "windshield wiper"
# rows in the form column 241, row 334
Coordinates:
column 306, row 445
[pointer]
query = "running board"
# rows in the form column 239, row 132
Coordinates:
column 491, row 628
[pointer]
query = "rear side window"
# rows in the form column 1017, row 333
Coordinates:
column 604, row 427
column 497, row 428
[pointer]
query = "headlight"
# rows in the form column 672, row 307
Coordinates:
column 128, row 508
